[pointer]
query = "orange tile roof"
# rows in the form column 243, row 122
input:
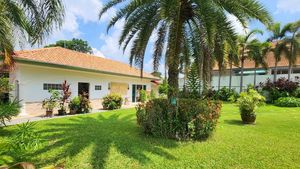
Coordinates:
column 249, row 64
column 69, row 58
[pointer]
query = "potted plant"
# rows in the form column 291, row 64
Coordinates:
column 50, row 103
column 65, row 95
column 74, row 105
column 85, row 104
column 248, row 102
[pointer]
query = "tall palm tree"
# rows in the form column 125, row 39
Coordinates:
column 257, row 52
column 177, row 23
column 232, row 59
column 294, row 45
column 277, row 34
column 243, row 44
column 34, row 19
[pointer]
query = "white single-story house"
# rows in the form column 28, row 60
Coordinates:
column 262, row 74
column 39, row 70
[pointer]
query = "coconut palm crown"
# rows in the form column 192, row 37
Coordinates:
column 185, row 27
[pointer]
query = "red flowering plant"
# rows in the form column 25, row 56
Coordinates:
column 282, row 87
column 65, row 95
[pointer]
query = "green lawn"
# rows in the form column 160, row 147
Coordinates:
column 113, row 140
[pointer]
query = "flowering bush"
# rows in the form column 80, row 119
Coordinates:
column 196, row 119
column 280, row 88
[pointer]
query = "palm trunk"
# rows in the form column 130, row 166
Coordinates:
column 242, row 71
column 230, row 75
column 175, row 40
column 254, row 83
column 291, row 57
column 206, row 72
column 219, row 81
column 275, row 71
column 290, row 71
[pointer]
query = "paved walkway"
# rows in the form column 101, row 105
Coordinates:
column 20, row 120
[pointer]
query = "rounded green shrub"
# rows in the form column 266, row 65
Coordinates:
column 226, row 94
column 248, row 102
column 195, row 119
column 288, row 102
column 112, row 101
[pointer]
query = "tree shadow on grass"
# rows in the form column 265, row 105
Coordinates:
column 101, row 132
column 234, row 122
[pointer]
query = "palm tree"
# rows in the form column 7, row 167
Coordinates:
column 243, row 44
column 257, row 52
column 294, row 45
column 232, row 59
column 278, row 34
column 177, row 23
column 34, row 19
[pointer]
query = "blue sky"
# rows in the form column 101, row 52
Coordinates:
column 82, row 22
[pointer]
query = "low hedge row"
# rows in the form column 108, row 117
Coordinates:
column 195, row 119
column 288, row 102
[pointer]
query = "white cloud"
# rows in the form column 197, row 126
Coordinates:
column 86, row 11
column 290, row 6
column 237, row 25
column 111, row 46
column 97, row 52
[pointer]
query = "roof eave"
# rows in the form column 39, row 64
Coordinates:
column 27, row 61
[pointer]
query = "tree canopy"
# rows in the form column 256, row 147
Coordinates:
column 73, row 44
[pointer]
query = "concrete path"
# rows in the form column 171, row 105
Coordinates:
column 20, row 120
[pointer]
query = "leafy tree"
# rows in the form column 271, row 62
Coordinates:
column 277, row 34
column 74, row 44
column 243, row 44
column 33, row 19
column 180, row 25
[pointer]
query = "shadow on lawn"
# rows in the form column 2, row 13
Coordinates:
column 102, row 132
column 234, row 122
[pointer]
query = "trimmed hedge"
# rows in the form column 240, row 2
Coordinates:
column 195, row 119
column 288, row 102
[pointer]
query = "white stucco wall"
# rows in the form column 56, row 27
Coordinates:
column 249, row 79
column 31, row 79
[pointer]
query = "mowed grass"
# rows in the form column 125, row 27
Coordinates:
column 113, row 140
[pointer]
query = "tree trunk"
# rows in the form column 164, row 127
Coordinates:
column 275, row 71
column 290, row 71
column 254, row 83
column 175, row 41
column 242, row 70
column 230, row 75
column 206, row 73
column 219, row 81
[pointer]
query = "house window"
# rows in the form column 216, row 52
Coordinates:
column 97, row 87
column 52, row 86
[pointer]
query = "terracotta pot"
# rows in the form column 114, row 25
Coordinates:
column 248, row 118
column 62, row 112
column 49, row 113
column 73, row 111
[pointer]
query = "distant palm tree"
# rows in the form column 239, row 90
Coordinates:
column 244, row 41
column 180, row 23
column 232, row 59
column 257, row 52
column 34, row 19
column 278, row 34
column 294, row 45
